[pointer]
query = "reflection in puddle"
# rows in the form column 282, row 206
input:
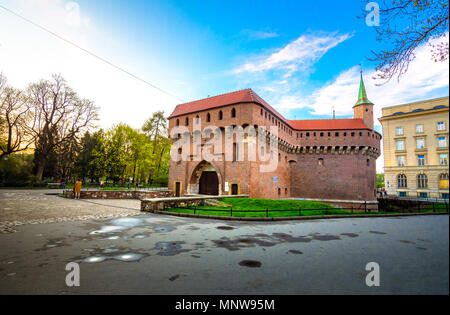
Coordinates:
column 169, row 248
column 250, row 263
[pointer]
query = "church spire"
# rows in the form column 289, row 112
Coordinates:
column 362, row 96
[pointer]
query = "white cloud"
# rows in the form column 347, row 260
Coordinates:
column 259, row 34
column 29, row 54
column 423, row 80
column 299, row 54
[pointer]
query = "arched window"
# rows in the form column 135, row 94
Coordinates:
column 178, row 122
column 187, row 121
column 233, row 112
column 401, row 181
column 443, row 181
column 422, row 181
column 197, row 119
column 220, row 115
column 320, row 161
column 208, row 117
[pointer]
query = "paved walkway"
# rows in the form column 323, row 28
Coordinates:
column 19, row 207
column 158, row 254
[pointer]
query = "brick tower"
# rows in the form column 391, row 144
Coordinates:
column 363, row 109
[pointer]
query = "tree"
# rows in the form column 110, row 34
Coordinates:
column 406, row 24
column 59, row 117
column 156, row 129
column 15, row 117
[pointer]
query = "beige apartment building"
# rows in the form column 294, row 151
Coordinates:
column 415, row 140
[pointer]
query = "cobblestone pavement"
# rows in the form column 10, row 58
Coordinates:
column 20, row 207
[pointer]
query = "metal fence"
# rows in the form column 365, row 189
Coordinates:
column 435, row 207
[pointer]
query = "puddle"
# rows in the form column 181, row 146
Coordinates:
column 140, row 236
column 250, row 263
column 377, row 232
column 164, row 228
column 294, row 251
column 94, row 259
column 127, row 257
column 326, row 237
column 119, row 225
column 406, row 242
column 226, row 228
column 350, row 234
column 421, row 248
column 170, row 248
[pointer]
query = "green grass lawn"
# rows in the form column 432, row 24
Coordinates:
column 253, row 207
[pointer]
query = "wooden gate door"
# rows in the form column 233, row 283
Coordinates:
column 209, row 183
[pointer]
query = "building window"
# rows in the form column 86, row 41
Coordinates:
column 208, row 117
column 422, row 181
column 336, row 134
column 443, row 181
column 444, row 195
column 419, row 128
column 187, row 121
column 235, row 152
column 442, row 142
column 441, row 125
column 178, row 122
column 220, row 115
column 423, row 195
column 353, row 134
column 400, row 145
column 399, row 131
column 402, row 194
column 360, row 134
column 233, row 112
column 197, row 119
column 421, row 160
column 261, row 111
column 420, row 143
column 443, row 159
column 402, row 181
column 321, row 134
column 307, row 134
column 320, row 161
column 368, row 162
column 401, row 161
column 279, row 192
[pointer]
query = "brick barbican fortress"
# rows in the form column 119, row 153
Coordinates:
column 326, row 159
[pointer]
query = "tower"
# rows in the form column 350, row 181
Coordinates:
column 363, row 108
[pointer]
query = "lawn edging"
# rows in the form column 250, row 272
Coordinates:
column 314, row 217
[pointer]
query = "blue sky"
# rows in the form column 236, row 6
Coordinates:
column 300, row 56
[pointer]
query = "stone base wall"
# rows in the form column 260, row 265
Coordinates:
column 119, row 194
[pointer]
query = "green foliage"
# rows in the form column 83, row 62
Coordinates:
column 380, row 180
column 16, row 170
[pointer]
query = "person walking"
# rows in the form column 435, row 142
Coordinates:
column 77, row 189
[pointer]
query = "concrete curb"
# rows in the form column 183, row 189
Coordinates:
column 315, row 217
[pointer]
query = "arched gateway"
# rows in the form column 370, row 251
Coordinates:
column 204, row 180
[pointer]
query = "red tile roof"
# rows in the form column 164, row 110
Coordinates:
column 328, row 124
column 249, row 96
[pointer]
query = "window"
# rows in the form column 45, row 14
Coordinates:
column 307, row 134
column 441, row 125
column 402, row 194
column 233, row 112
column 400, row 144
column 261, row 111
column 208, row 117
column 353, row 134
column 421, row 160
column 321, row 134
column 178, row 122
column 442, row 142
column 443, row 181
column 235, row 152
column 419, row 128
column 286, row 191
column 368, row 162
column 401, row 181
column 187, row 121
column 401, row 160
column 320, row 161
column 399, row 131
column 279, row 192
column 443, row 159
column 197, row 119
column 420, row 143
column 220, row 115
column 423, row 195
column 336, row 134
column 422, row 181
column 345, row 134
